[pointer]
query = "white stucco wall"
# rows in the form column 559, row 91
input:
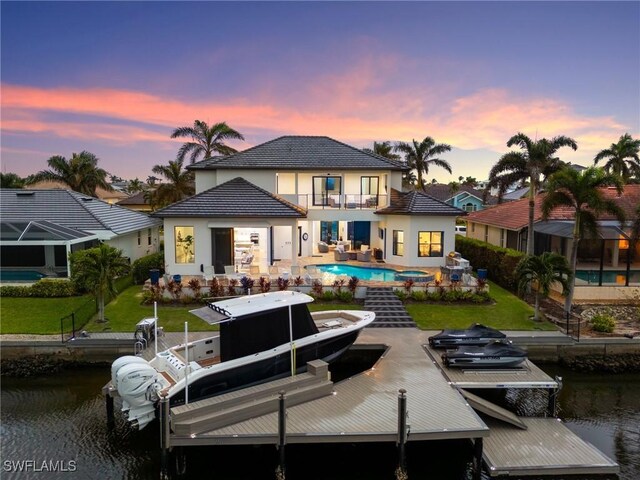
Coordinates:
column 205, row 179
column 129, row 243
column 411, row 225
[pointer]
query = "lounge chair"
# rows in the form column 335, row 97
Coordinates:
column 313, row 274
column 246, row 260
column 323, row 247
column 231, row 274
column 208, row 274
column 364, row 255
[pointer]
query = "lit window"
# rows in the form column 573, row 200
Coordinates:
column 185, row 245
column 139, row 238
column 430, row 244
column 148, row 236
column 398, row 242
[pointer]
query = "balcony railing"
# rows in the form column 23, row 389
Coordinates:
column 345, row 201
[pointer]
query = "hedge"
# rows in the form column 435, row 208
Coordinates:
column 140, row 268
column 499, row 262
column 44, row 288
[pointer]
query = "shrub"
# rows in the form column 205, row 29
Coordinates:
column 338, row 284
column 401, row 294
column 48, row 288
column 419, row 295
column 283, row 283
column 175, row 289
column 408, row 283
column 344, row 297
column 216, row 289
column 499, row 262
column 140, row 268
column 353, row 284
column 15, row 291
column 265, row 285
column 603, row 322
column 155, row 293
column 316, row 288
column 194, row 285
column 247, row 284
column 298, row 281
column 328, row 296
column 231, row 289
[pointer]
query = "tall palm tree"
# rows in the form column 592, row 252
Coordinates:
column 178, row 184
column 80, row 173
column 534, row 164
column 96, row 269
column 581, row 192
column 542, row 272
column 622, row 158
column 205, row 140
column 136, row 185
column 384, row 149
column 420, row 156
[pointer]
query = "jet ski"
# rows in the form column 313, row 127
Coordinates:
column 476, row 334
column 497, row 354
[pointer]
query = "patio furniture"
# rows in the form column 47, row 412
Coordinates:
column 323, row 247
column 246, row 259
column 346, row 245
column 208, row 274
column 364, row 256
column 340, row 255
column 231, row 274
column 313, row 274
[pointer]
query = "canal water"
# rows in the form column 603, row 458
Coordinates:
column 54, row 427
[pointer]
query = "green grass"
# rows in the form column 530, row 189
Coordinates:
column 126, row 310
column 38, row 316
column 507, row 313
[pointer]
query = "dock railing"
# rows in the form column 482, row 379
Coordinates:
column 77, row 319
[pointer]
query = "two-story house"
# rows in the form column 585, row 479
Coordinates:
column 281, row 198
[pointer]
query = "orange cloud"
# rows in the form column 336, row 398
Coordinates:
column 356, row 106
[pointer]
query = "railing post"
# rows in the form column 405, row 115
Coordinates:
column 164, row 437
column 402, row 433
column 282, row 435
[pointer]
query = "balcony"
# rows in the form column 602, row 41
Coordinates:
column 345, row 201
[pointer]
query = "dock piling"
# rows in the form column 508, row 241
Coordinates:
column 109, row 404
column 164, row 437
column 402, row 430
column 282, row 434
column 477, row 459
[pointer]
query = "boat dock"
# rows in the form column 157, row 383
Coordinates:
column 368, row 407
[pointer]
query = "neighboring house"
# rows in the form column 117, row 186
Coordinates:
column 466, row 198
column 109, row 196
column 281, row 198
column 138, row 202
column 506, row 225
column 41, row 227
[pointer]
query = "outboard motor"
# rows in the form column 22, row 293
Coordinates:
column 121, row 362
column 133, row 382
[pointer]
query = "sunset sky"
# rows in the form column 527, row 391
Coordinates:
column 115, row 78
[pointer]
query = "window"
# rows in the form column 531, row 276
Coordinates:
column 185, row 246
column 469, row 207
column 486, row 233
column 502, row 237
column 398, row 242
column 139, row 237
column 148, row 236
column 369, row 191
column 325, row 190
column 430, row 244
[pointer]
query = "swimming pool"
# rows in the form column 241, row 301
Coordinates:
column 608, row 276
column 375, row 274
column 20, row 275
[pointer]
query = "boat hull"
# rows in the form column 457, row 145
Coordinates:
column 223, row 380
column 498, row 354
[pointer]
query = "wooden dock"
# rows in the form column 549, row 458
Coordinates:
column 364, row 408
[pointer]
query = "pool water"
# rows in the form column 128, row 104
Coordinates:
column 608, row 276
column 373, row 274
column 20, row 275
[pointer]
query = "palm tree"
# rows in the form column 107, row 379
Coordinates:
column 419, row 156
column 80, row 173
column 581, row 192
column 384, row 149
column 96, row 269
column 535, row 161
column 11, row 180
column 178, row 184
column 622, row 158
column 206, row 140
column 136, row 185
column 542, row 272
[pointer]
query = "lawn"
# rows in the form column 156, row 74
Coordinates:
column 126, row 310
column 507, row 313
column 38, row 316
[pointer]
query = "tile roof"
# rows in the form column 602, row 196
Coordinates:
column 300, row 153
column 515, row 215
column 135, row 199
column 235, row 198
column 70, row 209
column 418, row 203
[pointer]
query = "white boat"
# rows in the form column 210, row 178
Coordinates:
column 261, row 338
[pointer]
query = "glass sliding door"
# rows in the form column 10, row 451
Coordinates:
column 327, row 190
column 369, row 191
